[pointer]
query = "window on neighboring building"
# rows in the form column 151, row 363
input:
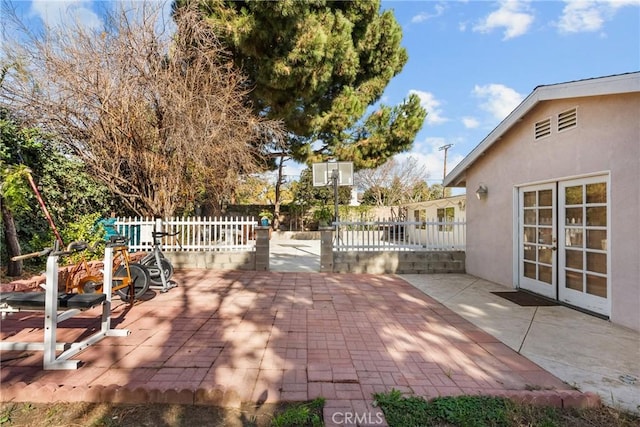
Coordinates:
column 446, row 215
column 542, row 128
column 420, row 215
column 567, row 119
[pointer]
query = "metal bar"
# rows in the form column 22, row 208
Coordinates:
column 51, row 312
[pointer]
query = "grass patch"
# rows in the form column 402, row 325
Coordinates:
column 301, row 415
column 463, row 411
column 472, row 411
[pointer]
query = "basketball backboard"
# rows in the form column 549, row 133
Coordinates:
column 323, row 173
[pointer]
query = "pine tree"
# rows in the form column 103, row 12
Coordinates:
column 318, row 66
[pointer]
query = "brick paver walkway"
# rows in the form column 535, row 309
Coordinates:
column 230, row 337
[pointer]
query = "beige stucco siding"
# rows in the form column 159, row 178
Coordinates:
column 606, row 140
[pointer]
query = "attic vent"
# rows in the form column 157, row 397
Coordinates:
column 543, row 128
column 567, row 119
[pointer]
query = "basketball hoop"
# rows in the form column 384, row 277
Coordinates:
column 324, row 173
column 334, row 174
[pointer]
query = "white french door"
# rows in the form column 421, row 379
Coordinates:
column 563, row 242
column 537, row 239
column 584, row 251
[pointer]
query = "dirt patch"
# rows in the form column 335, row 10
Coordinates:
column 105, row 414
column 152, row 415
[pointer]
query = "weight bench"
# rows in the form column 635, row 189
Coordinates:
column 36, row 300
column 59, row 307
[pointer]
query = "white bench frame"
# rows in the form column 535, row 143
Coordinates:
column 54, row 315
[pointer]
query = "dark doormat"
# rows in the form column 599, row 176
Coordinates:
column 525, row 299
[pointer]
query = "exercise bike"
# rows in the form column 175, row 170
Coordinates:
column 160, row 268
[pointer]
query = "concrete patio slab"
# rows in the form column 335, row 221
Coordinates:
column 585, row 351
column 226, row 337
column 290, row 255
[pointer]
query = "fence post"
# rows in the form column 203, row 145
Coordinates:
column 326, row 249
column 262, row 248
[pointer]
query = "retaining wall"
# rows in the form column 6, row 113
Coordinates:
column 405, row 262
column 213, row 260
column 387, row 262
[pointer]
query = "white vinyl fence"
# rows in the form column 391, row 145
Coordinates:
column 193, row 233
column 393, row 235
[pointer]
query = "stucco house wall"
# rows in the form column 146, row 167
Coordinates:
column 430, row 207
column 428, row 210
column 605, row 141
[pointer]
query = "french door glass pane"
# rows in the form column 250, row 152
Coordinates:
column 545, row 216
column 573, row 237
column 597, row 216
column 597, row 285
column 530, row 217
column 597, row 262
column 597, row 239
column 530, row 235
column 574, row 280
column 573, row 195
column 529, row 199
column 544, row 255
column 573, row 259
column 545, row 198
column 574, row 216
column 529, row 270
column 597, row 193
column 530, row 253
column 544, row 274
column 545, row 235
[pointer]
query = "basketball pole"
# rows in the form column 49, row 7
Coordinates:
column 341, row 174
column 334, row 178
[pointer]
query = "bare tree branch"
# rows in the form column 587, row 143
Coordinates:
column 393, row 182
column 162, row 121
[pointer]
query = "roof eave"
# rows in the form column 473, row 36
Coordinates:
column 622, row 83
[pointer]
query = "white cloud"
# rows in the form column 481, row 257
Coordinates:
column 470, row 122
column 429, row 102
column 89, row 13
column 514, row 16
column 64, row 12
column 425, row 16
column 500, row 100
column 590, row 15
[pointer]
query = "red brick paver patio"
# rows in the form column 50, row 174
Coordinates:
column 226, row 337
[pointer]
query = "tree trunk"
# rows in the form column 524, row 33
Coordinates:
column 11, row 238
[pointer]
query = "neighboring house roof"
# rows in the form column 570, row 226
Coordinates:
column 448, row 201
column 610, row 85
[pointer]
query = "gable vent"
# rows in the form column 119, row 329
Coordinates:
column 543, row 128
column 567, row 119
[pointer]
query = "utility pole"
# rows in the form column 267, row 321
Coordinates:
column 444, row 148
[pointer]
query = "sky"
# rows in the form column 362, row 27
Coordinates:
column 472, row 62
